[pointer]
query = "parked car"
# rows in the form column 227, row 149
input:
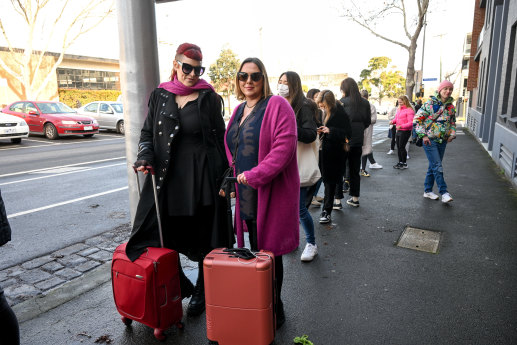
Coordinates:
column 14, row 128
column 110, row 115
column 53, row 119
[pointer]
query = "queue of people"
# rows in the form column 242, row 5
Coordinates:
column 185, row 139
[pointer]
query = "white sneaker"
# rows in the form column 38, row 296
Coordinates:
column 446, row 198
column 375, row 166
column 310, row 251
column 390, row 152
column 431, row 195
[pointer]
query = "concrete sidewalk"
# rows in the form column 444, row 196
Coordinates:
column 362, row 288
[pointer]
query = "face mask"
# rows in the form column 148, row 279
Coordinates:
column 283, row 90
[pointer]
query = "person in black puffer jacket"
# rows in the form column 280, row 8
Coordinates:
column 11, row 333
column 358, row 110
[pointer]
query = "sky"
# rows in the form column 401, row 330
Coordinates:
column 306, row 36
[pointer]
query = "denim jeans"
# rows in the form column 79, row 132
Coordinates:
column 434, row 153
column 305, row 218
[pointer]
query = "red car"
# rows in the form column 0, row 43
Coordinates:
column 53, row 119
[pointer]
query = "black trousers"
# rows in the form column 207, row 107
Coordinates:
column 9, row 324
column 369, row 157
column 354, row 164
column 330, row 194
column 393, row 137
column 279, row 266
column 402, row 139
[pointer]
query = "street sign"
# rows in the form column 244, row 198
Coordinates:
column 430, row 79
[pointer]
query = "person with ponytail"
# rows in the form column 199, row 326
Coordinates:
column 183, row 140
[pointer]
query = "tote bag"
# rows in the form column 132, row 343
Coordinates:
column 308, row 168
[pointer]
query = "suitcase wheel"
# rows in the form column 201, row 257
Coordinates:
column 158, row 334
column 126, row 321
column 180, row 325
column 211, row 342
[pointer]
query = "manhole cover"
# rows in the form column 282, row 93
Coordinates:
column 420, row 239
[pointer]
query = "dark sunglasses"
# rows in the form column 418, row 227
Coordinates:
column 187, row 69
column 256, row 76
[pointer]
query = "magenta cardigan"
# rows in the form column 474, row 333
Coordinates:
column 404, row 118
column 276, row 179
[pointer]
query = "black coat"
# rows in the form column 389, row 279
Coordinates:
column 332, row 152
column 156, row 140
column 5, row 228
column 360, row 119
column 306, row 123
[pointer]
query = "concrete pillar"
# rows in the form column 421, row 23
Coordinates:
column 139, row 75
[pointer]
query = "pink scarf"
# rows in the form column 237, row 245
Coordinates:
column 177, row 88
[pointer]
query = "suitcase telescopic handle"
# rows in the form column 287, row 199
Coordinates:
column 155, row 192
column 229, row 180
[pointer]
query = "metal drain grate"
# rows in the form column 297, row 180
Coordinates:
column 420, row 239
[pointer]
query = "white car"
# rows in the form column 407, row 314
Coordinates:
column 14, row 128
column 109, row 115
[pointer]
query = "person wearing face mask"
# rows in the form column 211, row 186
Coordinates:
column 335, row 131
column 183, row 140
column 436, row 125
column 290, row 87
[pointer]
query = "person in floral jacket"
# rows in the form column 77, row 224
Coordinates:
column 436, row 125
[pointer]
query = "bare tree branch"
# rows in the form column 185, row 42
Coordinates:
column 405, row 19
column 83, row 15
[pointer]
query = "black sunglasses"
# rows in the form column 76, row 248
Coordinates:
column 256, row 76
column 187, row 69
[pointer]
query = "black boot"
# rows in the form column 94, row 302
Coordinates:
column 197, row 302
column 186, row 286
column 280, row 314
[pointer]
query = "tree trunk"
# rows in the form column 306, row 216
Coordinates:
column 228, row 97
column 410, row 74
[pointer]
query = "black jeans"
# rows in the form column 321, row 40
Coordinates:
column 402, row 139
column 279, row 266
column 369, row 157
column 11, row 332
column 330, row 194
column 393, row 137
column 354, row 164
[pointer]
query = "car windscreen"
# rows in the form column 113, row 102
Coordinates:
column 118, row 107
column 54, row 108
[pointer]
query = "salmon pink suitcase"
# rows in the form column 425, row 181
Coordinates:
column 240, row 297
column 148, row 289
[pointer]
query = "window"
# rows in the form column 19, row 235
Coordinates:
column 30, row 107
column 69, row 78
column 92, row 108
column 17, row 107
column 105, row 109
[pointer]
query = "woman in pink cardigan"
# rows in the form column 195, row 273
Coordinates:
column 403, row 121
column 260, row 142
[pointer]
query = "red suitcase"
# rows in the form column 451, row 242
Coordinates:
column 148, row 289
column 240, row 298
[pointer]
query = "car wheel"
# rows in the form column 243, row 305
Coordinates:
column 120, row 127
column 16, row 140
column 87, row 135
column 51, row 131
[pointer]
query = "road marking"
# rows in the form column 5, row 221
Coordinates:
column 64, row 203
column 52, row 144
column 66, row 172
column 61, row 166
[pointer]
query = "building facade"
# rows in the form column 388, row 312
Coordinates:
column 492, row 113
column 74, row 72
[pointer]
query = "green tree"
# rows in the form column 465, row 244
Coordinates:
column 388, row 81
column 391, row 11
column 222, row 73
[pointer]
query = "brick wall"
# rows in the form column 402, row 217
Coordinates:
column 479, row 20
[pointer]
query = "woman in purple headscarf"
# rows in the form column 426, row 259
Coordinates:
column 183, row 139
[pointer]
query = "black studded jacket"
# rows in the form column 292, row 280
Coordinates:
column 156, row 140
